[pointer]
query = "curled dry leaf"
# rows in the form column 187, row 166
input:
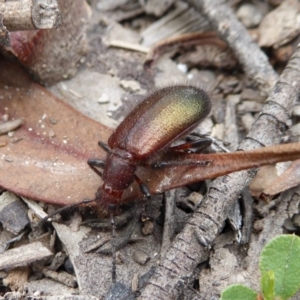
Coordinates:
column 209, row 50
column 46, row 158
column 290, row 178
column 263, row 178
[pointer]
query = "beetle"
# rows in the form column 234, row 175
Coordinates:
column 149, row 129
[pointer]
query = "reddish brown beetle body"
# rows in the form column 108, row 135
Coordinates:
column 151, row 127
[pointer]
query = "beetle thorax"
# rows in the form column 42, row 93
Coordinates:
column 119, row 171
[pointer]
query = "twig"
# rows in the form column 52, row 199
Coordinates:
column 190, row 246
column 30, row 14
column 225, row 22
column 128, row 46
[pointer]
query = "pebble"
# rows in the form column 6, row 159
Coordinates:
column 249, row 15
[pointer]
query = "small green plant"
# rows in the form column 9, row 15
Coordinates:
column 280, row 272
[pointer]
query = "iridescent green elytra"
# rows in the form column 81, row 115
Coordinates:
column 160, row 119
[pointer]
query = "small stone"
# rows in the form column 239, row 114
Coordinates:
column 130, row 85
column 296, row 111
column 218, row 131
column 296, row 220
column 148, row 228
column 296, row 130
column 288, row 225
column 249, row 15
column 104, row 98
column 183, row 68
column 247, row 120
column 140, row 257
column 195, row 198
column 249, row 106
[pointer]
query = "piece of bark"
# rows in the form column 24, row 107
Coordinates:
column 247, row 208
column 24, row 255
column 57, row 261
column 235, row 220
column 62, row 276
column 30, row 14
column 54, row 55
column 253, row 60
column 13, row 213
column 206, row 223
column 5, row 238
column 17, row 278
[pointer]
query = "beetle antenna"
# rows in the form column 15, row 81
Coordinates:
column 62, row 209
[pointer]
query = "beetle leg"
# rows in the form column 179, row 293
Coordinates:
column 104, row 146
column 198, row 145
column 95, row 163
column 62, row 209
column 143, row 187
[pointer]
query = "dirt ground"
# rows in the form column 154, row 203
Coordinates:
column 192, row 242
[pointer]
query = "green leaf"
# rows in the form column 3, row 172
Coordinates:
column 282, row 256
column 267, row 285
column 238, row 292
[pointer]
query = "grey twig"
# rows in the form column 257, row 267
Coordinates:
column 248, row 53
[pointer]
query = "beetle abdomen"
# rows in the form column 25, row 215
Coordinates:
column 160, row 119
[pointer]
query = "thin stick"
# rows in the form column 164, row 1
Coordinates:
column 248, row 53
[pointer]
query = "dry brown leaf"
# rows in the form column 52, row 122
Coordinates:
column 290, row 178
column 46, row 158
column 263, row 178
